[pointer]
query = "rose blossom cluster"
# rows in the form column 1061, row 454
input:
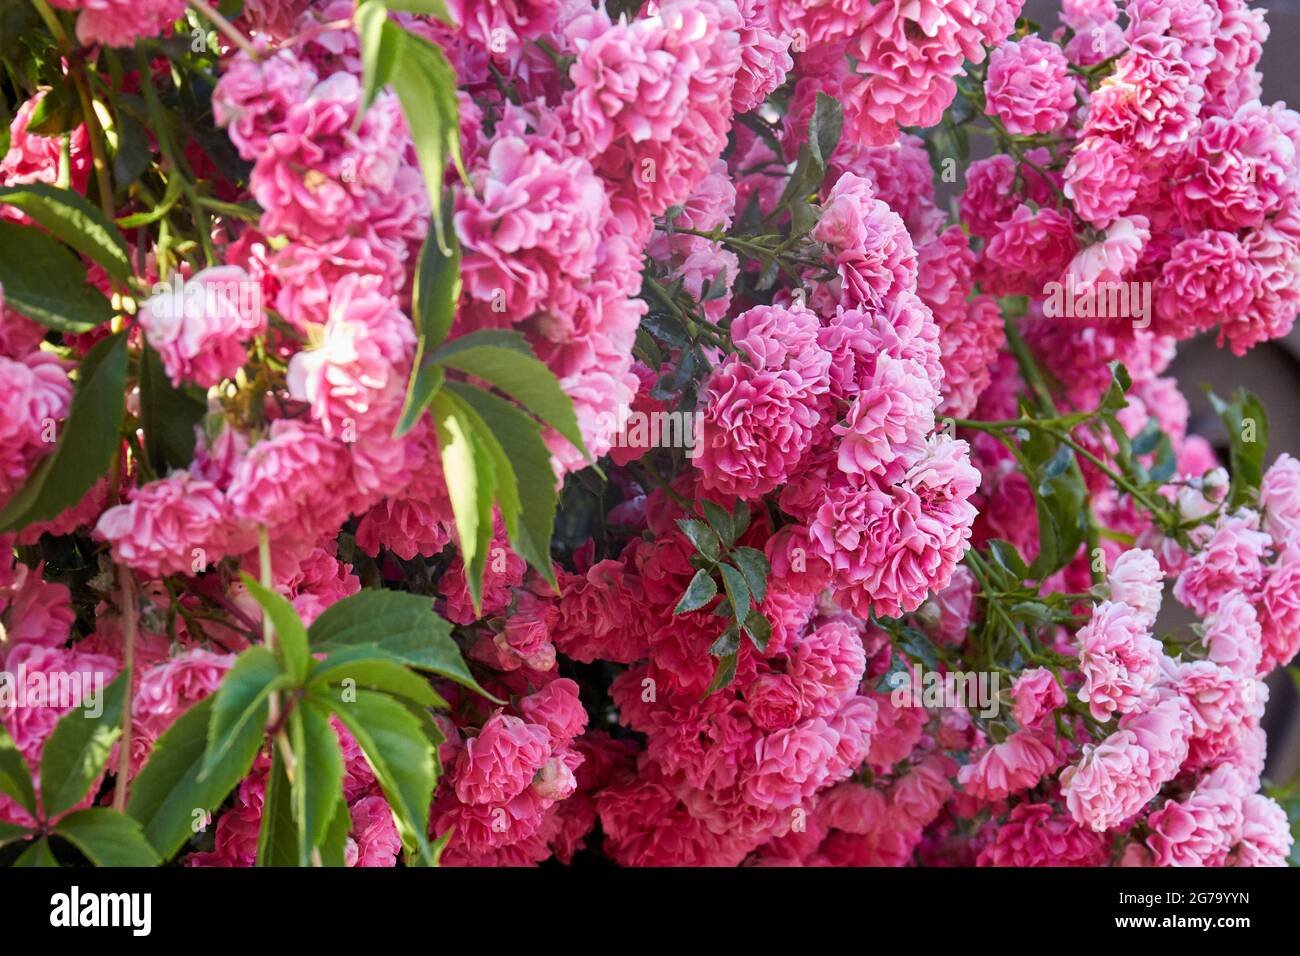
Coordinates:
column 609, row 163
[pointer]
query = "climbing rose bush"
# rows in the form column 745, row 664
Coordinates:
column 491, row 433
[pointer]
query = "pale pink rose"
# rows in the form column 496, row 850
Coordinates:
column 1119, row 660
column 1016, row 764
column 1035, row 696
column 1136, row 579
column 201, row 327
column 177, row 525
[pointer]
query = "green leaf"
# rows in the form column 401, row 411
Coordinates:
column 702, row 536
column 107, row 838
column 753, row 565
column 70, row 218
column 380, row 47
column 88, row 441
column 471, row 486
column 723, row 674
column 396, row 625
column 521, row 443
column 1246, row 423
column 47, row 283
column 277, row 839
column 737, row 590
column 423, row 385
column 824, row 128
column 318, row 779
column 437, row 287
column 699, row 592
column 719, row 520
column 290, row 632
column 240, row 704
column 37, row 855
column 374, row 673
column 334, row 845
column 425, row 84
column 76, row 752
column 483, row 338
column 1006, row 557
column 401, row 757
column 167, row 414
column 15, row 779
column 167, row 792
column 432, row 8
column 9, row 832
column 759, row 629
column 524, row 379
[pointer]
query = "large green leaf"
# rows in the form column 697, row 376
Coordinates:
column 290, row 632
column 107, row 838
column 401, row 757
column 1246, row 422
column 15, row 780
column 277, row 840
column 77, row 750
column 318, row 775
column 471, row 485
column 37, row 855
column 69, row 217
column 380, row 47
column 88, row 441
column 240, row 703
column 396, row 625
column 333, row 848
column 425, row 84
column 47, row 283
column 437, row 287
column 9, row 832
column 374, row 673
column 524, row 379
column 520, row 440
column 167, row 792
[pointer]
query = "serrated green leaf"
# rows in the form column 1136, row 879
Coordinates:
column 396, row 625
column 373, row 673
column 70, row 218
column 471, row 485
column 290, row 633
column 76, row 751
column 15, row 779
column 37, row 855
column 107, row 838
column 524, row 379
column 753, row 565
column 520, row 440
column 401, row 757
column 699, row 592
column 277, row 838
column 737, row 590
column 240, row 703
column 166, row 794
column 44, row 281
column 318, row 775
column 719, row 520
column 702, row 536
